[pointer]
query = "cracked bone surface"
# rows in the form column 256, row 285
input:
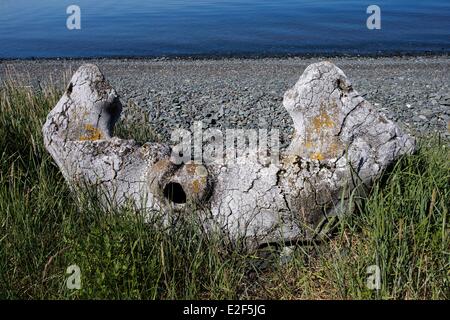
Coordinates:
column 341, row 144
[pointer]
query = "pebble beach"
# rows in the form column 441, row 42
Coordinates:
column 248, row 93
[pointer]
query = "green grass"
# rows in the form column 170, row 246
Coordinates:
column 402, row 227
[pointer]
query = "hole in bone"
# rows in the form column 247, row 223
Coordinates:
column 174, row 192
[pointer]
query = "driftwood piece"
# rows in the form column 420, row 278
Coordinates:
column 341, row 145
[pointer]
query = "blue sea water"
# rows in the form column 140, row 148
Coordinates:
column 30, row 28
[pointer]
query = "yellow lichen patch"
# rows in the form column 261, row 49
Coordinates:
column 317, row 156
column 323, row 120
column 320, row 140
column 196, row 186
column 93, row 133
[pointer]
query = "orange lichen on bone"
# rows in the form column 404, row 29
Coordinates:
column 323, row 120
column 320, row 142
column 317, row 156
column 196, row 186
column 93, row 133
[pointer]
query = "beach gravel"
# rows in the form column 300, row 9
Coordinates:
column 248, row 93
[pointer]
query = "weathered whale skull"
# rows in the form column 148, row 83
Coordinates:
column 341, row 145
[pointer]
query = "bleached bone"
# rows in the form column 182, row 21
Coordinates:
column 341, row 144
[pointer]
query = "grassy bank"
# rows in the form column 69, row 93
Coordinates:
column 402, row 227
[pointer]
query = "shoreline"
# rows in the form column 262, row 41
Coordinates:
column 250, row 56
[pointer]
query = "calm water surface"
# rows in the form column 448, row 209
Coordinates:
column 30, row 28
